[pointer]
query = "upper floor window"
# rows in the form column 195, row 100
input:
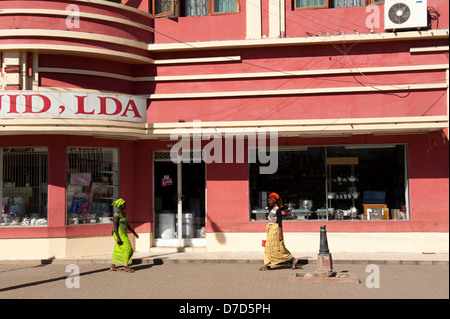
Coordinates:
column 192, row 8
column 318, row 4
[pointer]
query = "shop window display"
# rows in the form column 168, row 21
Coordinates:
column 93, row 184
column 23, row 187
column 349, row 182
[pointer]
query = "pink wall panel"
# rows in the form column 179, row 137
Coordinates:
column 326, row 106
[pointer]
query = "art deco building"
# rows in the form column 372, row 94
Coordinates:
column 194, row 110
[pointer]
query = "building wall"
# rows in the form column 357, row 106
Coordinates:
column 279, row 93
column 229, row 229
column 262, row 19
column 228, row 204
column 58, row 240
column 201, row 91
column 310, row 68
column 303, row 244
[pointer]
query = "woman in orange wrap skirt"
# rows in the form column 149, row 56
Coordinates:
column 275, row 252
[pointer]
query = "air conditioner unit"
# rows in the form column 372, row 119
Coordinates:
column 405, row 15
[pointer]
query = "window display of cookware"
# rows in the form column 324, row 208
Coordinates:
column 306, row 204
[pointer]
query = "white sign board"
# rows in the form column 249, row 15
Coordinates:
column 32, row 104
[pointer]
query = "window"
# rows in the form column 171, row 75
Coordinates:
column 192, row 8
column 23, row 187
column 310, row 4
column 163, row 7
column 351, row 182
column 319, row 4
column 348, row 3
column 92, row 184
column 196, row 8
column 225, row 6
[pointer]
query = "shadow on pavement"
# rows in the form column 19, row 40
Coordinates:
column 40, row 282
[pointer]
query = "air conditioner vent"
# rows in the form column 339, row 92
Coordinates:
column 405, row 15
column 399, row 13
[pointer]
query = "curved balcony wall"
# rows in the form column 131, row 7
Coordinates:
column 93, row 28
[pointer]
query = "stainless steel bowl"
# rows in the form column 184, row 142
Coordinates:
column 306, row 204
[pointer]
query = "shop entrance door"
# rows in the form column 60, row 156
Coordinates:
column 179, row 204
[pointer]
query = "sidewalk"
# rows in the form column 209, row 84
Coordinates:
column 187, row 276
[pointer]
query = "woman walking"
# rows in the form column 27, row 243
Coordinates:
column 275, row 252
column 122, row 248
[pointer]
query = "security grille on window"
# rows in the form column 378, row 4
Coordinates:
column 92, row 184
column 23, row 188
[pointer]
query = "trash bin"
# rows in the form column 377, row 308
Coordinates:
column 188, row 225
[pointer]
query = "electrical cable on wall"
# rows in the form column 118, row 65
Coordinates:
column 434, row 16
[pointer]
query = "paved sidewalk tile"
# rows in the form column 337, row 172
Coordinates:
column 217, row 281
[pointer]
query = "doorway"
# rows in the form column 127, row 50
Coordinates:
column 179, row 195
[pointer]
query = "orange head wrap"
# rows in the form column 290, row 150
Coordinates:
column 276, row 198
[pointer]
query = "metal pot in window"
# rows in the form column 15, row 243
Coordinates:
column 306, row 204
column 339, row 214
column 290, row 206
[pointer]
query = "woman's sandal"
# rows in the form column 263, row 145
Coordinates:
column 294, row 263
column 264, row 268
column 115, row 269
column 128, row 269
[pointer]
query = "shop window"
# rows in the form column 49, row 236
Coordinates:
column 193, row 8
column 350, row 182
column 23, row 188
column 319, row 4
column 92, row 184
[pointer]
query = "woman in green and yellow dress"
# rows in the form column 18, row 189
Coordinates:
column 122, row 248
column 274, row 251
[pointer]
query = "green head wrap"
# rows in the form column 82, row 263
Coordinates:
column 118, row 203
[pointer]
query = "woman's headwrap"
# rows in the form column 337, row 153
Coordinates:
column 118, row 203
column 276, row 198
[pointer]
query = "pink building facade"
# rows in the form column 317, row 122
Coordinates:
column 193, row 111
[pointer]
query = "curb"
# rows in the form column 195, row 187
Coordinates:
column 161, row 261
